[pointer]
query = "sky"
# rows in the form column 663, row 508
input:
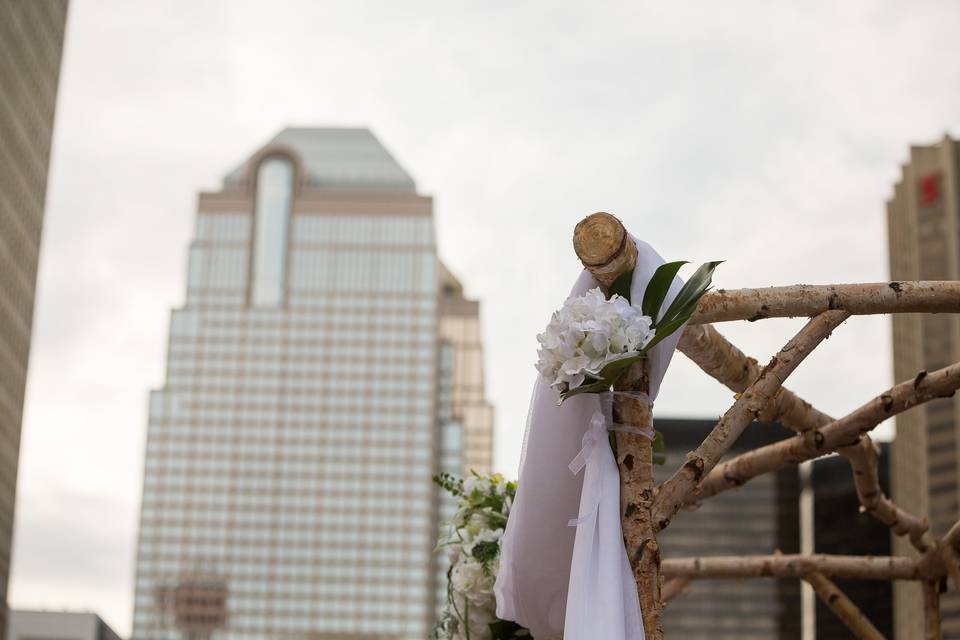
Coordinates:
column 766, row 134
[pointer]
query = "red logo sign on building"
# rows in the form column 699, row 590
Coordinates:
column 928, row 187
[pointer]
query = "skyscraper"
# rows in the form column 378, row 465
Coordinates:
column 31, row 43
column 841, row 528
column 323, row 366
column 924, row 236
column 766, row 520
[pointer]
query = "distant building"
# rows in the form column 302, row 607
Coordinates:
column 31, row 42
column 923, row 219
column 462, row 350
column 841, row 528
column 324, row 366
column 759, row 518
column 57, row 625
column 465, row 417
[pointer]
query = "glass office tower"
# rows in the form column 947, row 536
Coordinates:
column 287, row 489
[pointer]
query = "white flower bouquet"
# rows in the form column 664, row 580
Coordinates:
column 471, row 541
column 594, row 338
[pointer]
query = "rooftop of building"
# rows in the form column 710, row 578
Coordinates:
column 335, row 157
column 44, row 623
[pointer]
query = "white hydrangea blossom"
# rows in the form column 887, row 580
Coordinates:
column 588, row 333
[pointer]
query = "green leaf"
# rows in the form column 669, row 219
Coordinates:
column 658, row 287
column 664, row 330
column 608, row 376
column 621, row 286
column 659, row 449
column 691, row 292
column 659, row 444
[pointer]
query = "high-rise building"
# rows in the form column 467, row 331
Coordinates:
column 759, row 518
column 31, row 43
column 323, row 367
column 58, row 625
column 924, row 236
column 465, row 417
column 841, row 528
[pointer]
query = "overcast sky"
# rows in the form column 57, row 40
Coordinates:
column 767, row 134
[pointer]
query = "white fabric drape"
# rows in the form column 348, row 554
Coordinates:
column 554, row 579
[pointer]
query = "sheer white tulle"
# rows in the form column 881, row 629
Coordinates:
column 559, row 580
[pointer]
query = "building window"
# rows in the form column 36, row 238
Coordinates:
column 274, row 190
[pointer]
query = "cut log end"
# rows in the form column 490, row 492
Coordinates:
column 602, row 244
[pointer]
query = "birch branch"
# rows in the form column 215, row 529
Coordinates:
column 675, row 587
column 810, row 300
column 844, row 433
column 673, row 493
column 931, row 611
column 843, row 607
column 723, row 361
column 794, row 566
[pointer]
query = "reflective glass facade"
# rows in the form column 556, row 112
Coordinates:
column 274, row 192
column 287, row 489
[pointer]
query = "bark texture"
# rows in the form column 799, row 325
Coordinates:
column 635, row 462
column 843, row 607
column 810, row 300
column 677, row 491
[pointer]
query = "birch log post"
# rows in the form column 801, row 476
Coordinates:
column 605, row 249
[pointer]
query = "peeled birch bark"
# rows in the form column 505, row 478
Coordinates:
column 810, row 300
column 605, row 249
column 676, row 491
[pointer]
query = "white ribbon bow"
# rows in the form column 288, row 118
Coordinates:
column 596, row 432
